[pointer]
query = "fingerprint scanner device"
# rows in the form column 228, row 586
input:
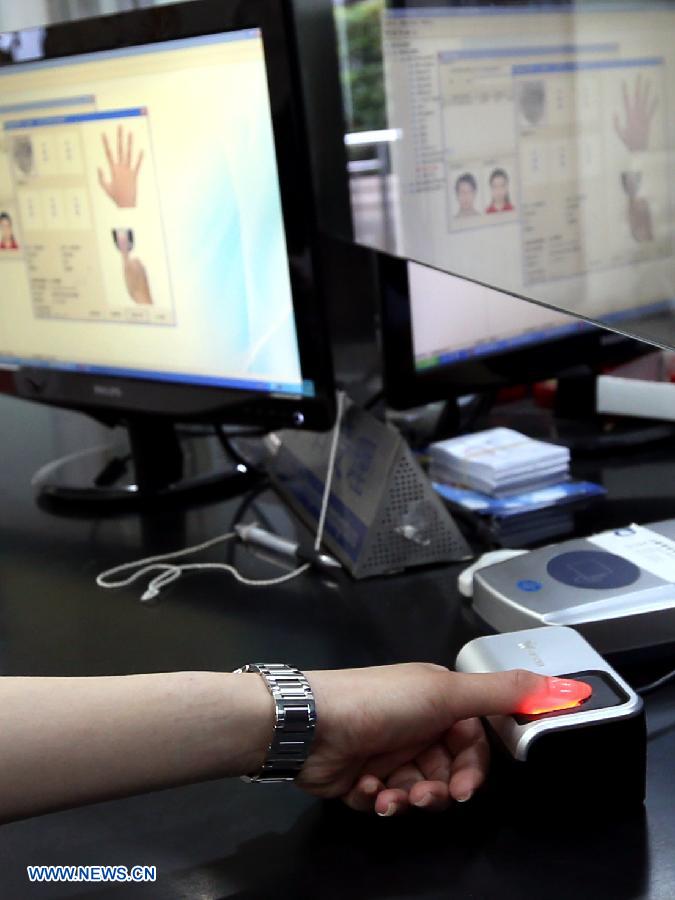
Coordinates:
column 617, row 588
column 589, row 754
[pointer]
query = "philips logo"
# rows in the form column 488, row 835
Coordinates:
column 531, row 649
column 106, row 390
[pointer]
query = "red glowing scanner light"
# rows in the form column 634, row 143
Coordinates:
column 557, row 694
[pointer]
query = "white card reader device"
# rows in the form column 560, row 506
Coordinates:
column 617, row 588
column 590, row 754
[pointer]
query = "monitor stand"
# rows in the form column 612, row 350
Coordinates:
column 152, row 471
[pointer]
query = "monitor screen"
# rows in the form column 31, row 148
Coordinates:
column 141, row 226
column 444, row 336
column 527, row 146
column 454, row 320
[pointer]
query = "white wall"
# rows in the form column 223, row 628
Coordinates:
column 15, row 15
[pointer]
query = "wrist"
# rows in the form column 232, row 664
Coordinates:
column 334, row 691
column 325, row 706
column 257, row 726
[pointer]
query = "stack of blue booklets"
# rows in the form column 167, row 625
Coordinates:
column 522, row 485
column 517, row 504
column 499, row 462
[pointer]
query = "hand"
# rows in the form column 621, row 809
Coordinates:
column 393, row 736
column 123, row 182
column 639, row 113
column 136, row 279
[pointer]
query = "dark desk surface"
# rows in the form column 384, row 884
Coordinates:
column 227, row 839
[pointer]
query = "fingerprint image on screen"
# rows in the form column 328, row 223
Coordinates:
column 532, row 102
column 23, row 156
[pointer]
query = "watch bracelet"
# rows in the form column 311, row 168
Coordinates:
column 294, row 724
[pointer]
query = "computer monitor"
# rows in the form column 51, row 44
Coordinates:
column 527, row 146
column 444, row 336
column 156, row 227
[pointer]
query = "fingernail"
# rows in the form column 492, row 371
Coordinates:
column 569, row 687
column 465, row 797
column 558, row 693
column 425, row 801
column 369, row 786
column 389, row 811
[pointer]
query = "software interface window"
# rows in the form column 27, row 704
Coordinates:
column 140, row 216
column 86, row 193
column 533, row 150
column 550, row 127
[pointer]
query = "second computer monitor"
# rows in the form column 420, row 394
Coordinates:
column 444, row 336
column 527, row 146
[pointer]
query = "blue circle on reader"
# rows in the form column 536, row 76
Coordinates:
column 525, row 584
column 592, row 570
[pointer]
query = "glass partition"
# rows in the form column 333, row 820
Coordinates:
column 527, row 146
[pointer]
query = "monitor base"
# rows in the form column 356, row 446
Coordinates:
column 152, row 471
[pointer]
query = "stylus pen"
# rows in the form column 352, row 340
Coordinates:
column 254, row 534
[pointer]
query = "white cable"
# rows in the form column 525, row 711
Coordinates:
column 55, row 464
column 330, row 471
column 170, row 572
column 150, row 563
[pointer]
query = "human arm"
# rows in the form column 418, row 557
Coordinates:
column 409, row 730
column 70, row 741
column 136, row 280
column 640, row 219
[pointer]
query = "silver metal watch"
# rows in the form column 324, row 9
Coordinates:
column 294, row 725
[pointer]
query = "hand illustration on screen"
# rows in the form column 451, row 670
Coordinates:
column 122, row 184
column 135, row 275
column 639, row 210
column 638, row 111
column 136, row 279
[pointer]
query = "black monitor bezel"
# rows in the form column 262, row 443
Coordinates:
column 113, row 397
column 405, row 387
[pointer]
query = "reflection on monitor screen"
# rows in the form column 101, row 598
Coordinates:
column 141, row 231
column 530, row 148
column 454, row 320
